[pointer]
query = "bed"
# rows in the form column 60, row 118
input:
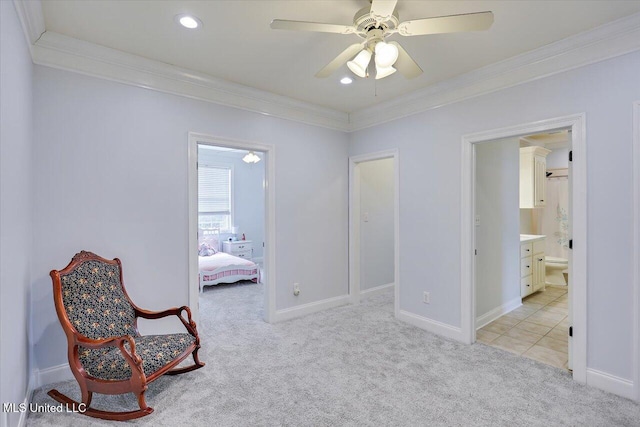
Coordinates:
column 218, row 267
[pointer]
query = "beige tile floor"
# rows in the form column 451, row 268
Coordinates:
column 537, row 330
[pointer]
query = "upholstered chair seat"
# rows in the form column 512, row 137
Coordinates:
column 156, row 351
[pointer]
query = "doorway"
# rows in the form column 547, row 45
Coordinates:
column 266, row 245
column 522, row 242
column 577, row 268
column 373, row 225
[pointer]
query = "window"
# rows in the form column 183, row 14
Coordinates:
column 214, row 197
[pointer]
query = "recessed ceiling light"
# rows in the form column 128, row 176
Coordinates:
column 188, row 21
column 346, row 80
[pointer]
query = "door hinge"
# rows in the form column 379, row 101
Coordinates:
column 570, row 243
column 570, row 331
column 571, row 156
column 475, row 252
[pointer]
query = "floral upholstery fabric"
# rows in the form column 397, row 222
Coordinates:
column 95, row 302
column 97, row 307
column 155, row 350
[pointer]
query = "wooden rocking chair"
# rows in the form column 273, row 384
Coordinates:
column 106, row 352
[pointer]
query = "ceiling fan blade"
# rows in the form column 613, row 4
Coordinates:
column 447, row 24
column 405, row 64
column 282, row 24
column 339, row 60
column 381, row 10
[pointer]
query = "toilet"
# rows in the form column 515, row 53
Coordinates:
column 554, row 268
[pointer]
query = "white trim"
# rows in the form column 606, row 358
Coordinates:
column 31, row 386
column 375, row 290
column 53, row 374
column 67, row 53
column 636, row 247
column 578, row 264
column 604, row 42
column 610, row 383
column 497, row 312
column 270, row 218
column 312, row 307
column 354, row 222
column 32, row 20
column 58, row 51
column 431, row 325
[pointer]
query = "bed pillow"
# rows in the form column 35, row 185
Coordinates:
column 206, row 249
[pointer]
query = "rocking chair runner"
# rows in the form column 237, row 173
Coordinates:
column 106, row 352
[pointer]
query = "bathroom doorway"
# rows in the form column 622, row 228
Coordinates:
column 572, row 298
column 523, row 245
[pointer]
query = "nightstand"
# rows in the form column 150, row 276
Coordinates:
column 239, row 248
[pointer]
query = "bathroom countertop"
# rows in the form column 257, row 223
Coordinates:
column 531, row 237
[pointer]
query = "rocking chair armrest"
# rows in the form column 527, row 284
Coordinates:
column 100, row 343
column 188, row 323
column 147, row 314
column 134, row 360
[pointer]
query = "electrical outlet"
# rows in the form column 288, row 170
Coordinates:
column 296, row 289
column 426, row 298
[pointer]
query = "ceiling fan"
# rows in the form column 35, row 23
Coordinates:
column 374, row 24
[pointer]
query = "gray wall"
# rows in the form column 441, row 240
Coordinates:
column 112, row 178
column 248, row 193
column 429, row 145
column 16, row 244
column 497, row 234
column 376, row 234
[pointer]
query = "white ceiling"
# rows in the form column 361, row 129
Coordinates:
column 236, row 43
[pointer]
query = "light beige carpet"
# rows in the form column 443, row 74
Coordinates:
column 350, row 366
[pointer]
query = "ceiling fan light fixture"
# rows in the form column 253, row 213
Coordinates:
column 251, row 157
column 382, row 72
column 386, row 54
column 360, row 63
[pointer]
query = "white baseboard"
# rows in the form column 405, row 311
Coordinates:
column 375, row 291
column 22, row 421
column 610, row 383
column 312, row 307
column 431, row 325
column 52, row 375
column 492, row 315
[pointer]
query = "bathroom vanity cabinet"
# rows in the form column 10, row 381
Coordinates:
column 532, row 268
column 533, row 177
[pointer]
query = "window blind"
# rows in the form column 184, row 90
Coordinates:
column 214, row 190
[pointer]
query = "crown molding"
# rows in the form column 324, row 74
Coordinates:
column 63, row 52
column 67, row 53
column 31, row 18
column 604, row 42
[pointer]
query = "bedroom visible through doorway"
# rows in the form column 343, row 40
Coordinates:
column 230, row 221
column 229, row 225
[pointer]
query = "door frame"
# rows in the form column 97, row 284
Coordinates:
column 578, row 264
column 269, row 260
column 636, row 247
column 354, row 223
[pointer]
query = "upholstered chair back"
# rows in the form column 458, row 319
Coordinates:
column 95, row 302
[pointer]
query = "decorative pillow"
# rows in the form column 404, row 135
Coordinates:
column 206, row 249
